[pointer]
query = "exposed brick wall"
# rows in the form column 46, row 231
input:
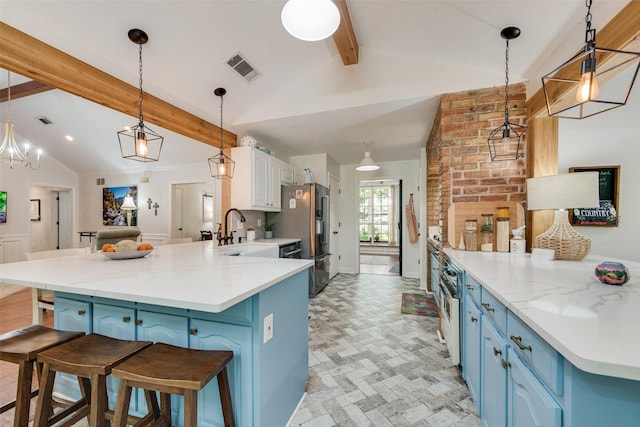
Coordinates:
column 459, row 141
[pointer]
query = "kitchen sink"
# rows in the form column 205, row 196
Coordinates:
column 265, row 251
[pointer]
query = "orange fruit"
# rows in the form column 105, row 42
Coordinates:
column 145, row 246
column 106, row 246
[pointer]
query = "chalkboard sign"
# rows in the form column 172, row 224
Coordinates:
column 607, row 213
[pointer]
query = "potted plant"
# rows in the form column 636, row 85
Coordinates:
column 268, row 231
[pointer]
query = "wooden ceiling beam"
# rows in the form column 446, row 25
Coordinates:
column 32, row 58
column 345, row 36
column 621, row 33
column 24, row 89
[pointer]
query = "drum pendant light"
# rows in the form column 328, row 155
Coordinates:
column 505, row 141
column 139, row 142
column 576, row 90
column 220, row 165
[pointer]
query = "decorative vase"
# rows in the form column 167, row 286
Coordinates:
column 268, row 234
column 612, row 273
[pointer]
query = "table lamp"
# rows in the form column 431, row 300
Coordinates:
column 561, row 192
column 128, row 205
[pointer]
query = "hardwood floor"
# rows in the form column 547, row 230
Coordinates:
column 15, row 313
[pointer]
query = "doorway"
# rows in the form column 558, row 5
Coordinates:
column 194, row 208
column 380, row 225
column 51, row 218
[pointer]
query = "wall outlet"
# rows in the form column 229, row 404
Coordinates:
column 259, row 222
column 268, row 328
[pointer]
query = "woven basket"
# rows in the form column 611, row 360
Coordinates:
column 565, row 241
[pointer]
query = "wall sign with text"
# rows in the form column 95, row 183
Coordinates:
column 607, row 213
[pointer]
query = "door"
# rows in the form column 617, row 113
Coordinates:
column 178, row 208
column 64, row 220
column 334, row 225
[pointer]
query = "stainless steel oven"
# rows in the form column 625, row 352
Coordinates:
column 451, row 280
column 291, row 250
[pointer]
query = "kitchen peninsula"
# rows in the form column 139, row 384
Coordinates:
column 192, row 295
column 546, row 341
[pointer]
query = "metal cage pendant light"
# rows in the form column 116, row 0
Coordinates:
column 10, row 151
column 139, row 142
column 220, row 165
column 575, row 89
column 505, row 141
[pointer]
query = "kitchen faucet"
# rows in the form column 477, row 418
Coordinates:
column 229, row 238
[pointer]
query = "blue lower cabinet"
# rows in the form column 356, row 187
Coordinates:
column 208, row 335
column 115, row 322
column 493, row 406
column 168, row 329
column 529, row 403
column 472, row 320
column 70, row 315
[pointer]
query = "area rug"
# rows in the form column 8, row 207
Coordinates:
column 420, row 304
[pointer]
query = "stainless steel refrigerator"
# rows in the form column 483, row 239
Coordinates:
column 305, row 215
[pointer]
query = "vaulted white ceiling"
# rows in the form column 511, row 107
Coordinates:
column 305, row 101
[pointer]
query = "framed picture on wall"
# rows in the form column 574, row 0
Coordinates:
column 3, row 207
column 35, row 210
column 112, row 200
column 607, row 213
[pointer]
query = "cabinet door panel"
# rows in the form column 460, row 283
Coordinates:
column 494, row 376
column 207, row 335
column 471, row 349
column 261, row 181
column 529, row 403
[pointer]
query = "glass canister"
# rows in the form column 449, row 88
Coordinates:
column 487, row 223
column 486, row 244
column 502, row 236
column 471, row 234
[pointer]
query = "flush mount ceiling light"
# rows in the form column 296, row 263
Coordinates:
column 139, row 142
column 10, row 151
column 576, row 89
column 310, row 20
column 367, row 163
column 221, row 166
column 505, row 141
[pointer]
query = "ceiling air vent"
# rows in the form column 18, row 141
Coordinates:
column 44, row 120
column 241, row 66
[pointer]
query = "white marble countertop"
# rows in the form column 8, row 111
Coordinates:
column 190, row 275
column 593, row 325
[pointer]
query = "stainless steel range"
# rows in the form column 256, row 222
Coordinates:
column 451, row 280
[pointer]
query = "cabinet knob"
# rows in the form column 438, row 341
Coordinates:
column 496, row 351
column 474, row 319
column 138, row 322
column 487, row 306
column 518, row 342
column 505, row 364
column 193, row 331
column 469, row 287
column 81, row 312
column 126, row 319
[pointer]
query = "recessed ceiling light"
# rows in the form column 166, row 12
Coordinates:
column 68, row 138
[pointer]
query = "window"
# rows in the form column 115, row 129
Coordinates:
column 377, row 212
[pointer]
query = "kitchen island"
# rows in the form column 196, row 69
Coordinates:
column 194, row 296
column 546, row 340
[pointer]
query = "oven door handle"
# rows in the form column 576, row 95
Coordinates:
column 293, row 252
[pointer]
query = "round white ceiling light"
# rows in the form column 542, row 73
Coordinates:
column 310, row 20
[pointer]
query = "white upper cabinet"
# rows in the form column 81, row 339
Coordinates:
column 256, row 181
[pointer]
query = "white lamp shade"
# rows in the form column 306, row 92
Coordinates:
column 367, row 164
column 128, row 204
column 564, row 191
column 310, row 20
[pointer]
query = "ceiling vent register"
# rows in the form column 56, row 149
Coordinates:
column 241, row 66
column 44, row 120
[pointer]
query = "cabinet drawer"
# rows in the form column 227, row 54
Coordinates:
column 494, row 309
column 544, row 360
column 473, row 289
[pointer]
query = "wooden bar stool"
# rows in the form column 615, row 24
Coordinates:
column 22, row 347
column 173, row 370
column 91, row 358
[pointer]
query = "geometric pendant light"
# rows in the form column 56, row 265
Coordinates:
column 506, row 141
column 220, row 165
column 139, row 142
column 576, row 89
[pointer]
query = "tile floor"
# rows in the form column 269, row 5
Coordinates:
column 370, row 365
column 379, row 264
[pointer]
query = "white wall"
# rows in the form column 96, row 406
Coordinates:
column 15, row 235
column 158, row 188
column 318, row 163
column 408, row 171
column 609, row 139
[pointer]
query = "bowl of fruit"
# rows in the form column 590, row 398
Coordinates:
column 127, row 249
